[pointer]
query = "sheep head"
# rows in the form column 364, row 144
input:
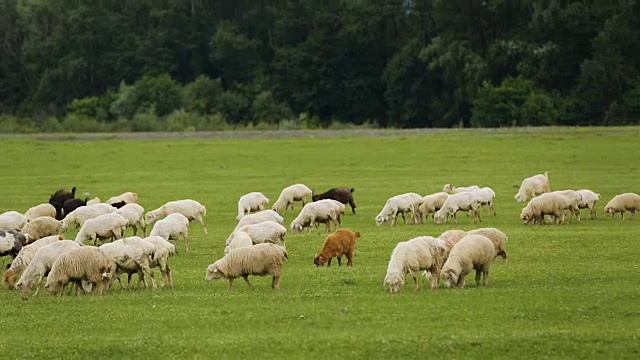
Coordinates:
column 449, row 277
column 213, row 272
column 319, row 260
column 394, row 281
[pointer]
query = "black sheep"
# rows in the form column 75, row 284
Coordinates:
column 58, row 198
column 341, row 194
column 72, row 204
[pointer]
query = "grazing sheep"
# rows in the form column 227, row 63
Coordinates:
column 104, row 227
column 325, row 211
column 409, row 257
column 255, row 218
column 191, row 209
column 58, row 198
column 78, row 217
column 289, row 195
column 172, row 227
column 134, row 213
column 398, row 204
column 265, row 231
column 253, row 201
column 87, row 263
column 465, row 201
column 11, row 242
column 26, row 254
column 487, row 197
column 572, row 200
column 450, row 189
column 417, row 201
column 431, row 204
column 95, row 200
column 164, row 249
column 70, row 205
column 342, row 242
column 41, row 264
column 341, row 194
column 40, row 227
column 623, row 202
column 497, row 237
column 45, row 209
column 588, row 200
column 546, row 204
column 450, row 238
column 12, row 220
column 532, row 187
column 131, row 255
column 127, row 198
column 261, row 259
column 472, row 252
column 239, row 239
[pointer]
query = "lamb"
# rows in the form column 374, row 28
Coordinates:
column 398, row 204
column 409, row 257
column 546, row 204
column 87, row 263
column 450, row 189
column 191, row 209
column 290, row 194
column 58, row 198
column 41, row 264
column 266, row 231
column 239, row 239
column 341, row 194
column 127, row 198
column 72, row 204
column 325, row 211
column 40, row 227
column 131, row 255
column 12, row 220
column 572, row 200
column 342, row 242
column 11, row 242
column 261, row 259
column 588, row 200
column 26, row 254
column 431, row 204
column 253, row 201
column 78, row 217
column 95, row 200
column 134, row 213
column 532, row 187
column 104, row 227
column 164, row 249
column 497, row 237
column 472, row 252
column 466, row 201
column 621, row 203
column 173, row 227
column 45, row 209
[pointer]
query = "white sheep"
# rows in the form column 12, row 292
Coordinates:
column 325, row 211
column 12, row 220
column 497, row 237
column 588, row 200
column 95, row 200
column 238, row 239
column 290, row 194
column 432, row 203
column 450, row 238
column 623, row 202
column 487, row 197
column 132, row 255
column 409, row 257
column 40, row 227
column 191, row 209
column 255, row 218
column 134, row 213
column 532, row 187
column 465, row 201
column 77, row 217
column 572, row 201
column 127, row 198
column 253, row 201
column 472, row 252
column 104, row 227
column 552, row 204
column 87, row 263
column 398, row 204
column 45, row 209
column 417, row 202
column 261, row 259
column 164, row 249
column 41, row 264
column 450, row 189
column 266, row 231
column 172, row 227
column 26, row 254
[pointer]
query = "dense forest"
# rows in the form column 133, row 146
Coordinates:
column 141, row 65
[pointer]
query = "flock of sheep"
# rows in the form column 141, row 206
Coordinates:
column 256, row 246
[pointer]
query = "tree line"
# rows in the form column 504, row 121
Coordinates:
column 175, row 64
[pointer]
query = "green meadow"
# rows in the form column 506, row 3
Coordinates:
column 567, row 291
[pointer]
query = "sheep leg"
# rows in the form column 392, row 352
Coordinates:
column 201, row 221
column 433, row 279
column 415, row 280
column 275, row 282
column 147, row 272
column 478, row 276
column 185, row 237
column 339, row 260
column 329, row 262
column 455, row 220
column 169, row 277
column 246, row 279
column 135, row 229
column 485, row 275
column 350, row 258
column 461, row 281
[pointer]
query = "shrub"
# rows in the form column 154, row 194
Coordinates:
column 201, row 95
column 266, row 108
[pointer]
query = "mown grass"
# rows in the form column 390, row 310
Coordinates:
column 568, row 291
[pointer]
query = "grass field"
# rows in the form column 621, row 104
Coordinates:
column 568, row 291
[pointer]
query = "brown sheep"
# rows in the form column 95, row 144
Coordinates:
column 341, row 242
